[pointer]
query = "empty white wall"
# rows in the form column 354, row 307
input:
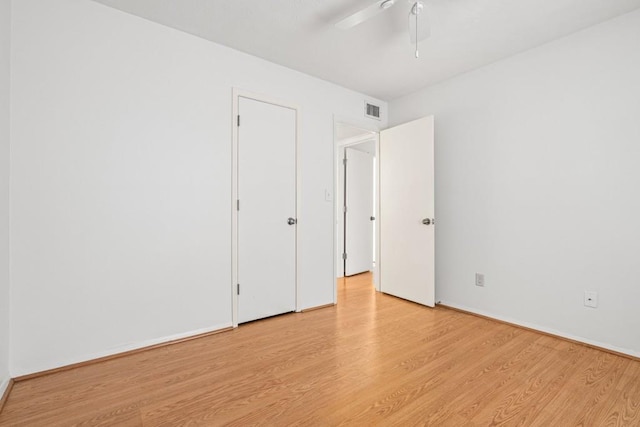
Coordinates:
column 537, row 185
column 5, row 53
column 121, row 180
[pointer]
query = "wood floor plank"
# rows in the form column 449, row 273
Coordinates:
column 373, row 359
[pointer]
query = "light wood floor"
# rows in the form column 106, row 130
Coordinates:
column 372, row 360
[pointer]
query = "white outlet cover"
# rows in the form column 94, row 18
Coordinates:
column 591, row 299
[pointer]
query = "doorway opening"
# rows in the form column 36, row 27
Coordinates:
column 356, row 201
column 404, row 206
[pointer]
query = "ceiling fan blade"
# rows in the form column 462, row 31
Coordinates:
column 419, row 28
column 363, row 15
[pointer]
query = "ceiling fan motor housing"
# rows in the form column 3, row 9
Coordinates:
column 387, row 4
column 417, row 8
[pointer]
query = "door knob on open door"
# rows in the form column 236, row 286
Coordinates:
column 428, row 221
column 291, row 221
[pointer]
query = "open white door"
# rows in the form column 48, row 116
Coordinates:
column 266, row 253
column 359, row 210
column 407, row 211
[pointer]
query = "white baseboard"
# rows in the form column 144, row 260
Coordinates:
column 629, row 352
column 116, row 350
column 3, row 385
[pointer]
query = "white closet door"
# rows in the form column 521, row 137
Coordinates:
column 267, row 209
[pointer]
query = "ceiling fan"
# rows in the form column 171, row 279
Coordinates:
column 418, row 24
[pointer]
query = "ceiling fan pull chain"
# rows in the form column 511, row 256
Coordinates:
column 417, row 53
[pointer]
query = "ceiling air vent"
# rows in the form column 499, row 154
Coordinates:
column 371, row 111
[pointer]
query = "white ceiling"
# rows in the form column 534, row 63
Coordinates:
column 346, row 132
column 375, row 57
column 367, row 147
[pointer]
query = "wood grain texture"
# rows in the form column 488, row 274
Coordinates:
column 370, row 360
column 117, row 355
column 630, row 356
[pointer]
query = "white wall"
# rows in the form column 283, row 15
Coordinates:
column 537, row 185
column 5, row 51
column 121, row 180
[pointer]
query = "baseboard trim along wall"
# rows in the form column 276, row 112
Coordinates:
column 634, row 355
column 122, row 353
column 306, row 310
column 6, row 386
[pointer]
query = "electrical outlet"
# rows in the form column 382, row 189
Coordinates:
column 591, row 299
column 479, row 279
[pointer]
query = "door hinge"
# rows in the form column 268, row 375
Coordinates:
column 344, row 256
column 344, row 161
column 344, row 209
column 238, row 204
column 238, row 288
column 238, row 119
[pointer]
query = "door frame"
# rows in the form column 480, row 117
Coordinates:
column 338, row 147
column 236, row 95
